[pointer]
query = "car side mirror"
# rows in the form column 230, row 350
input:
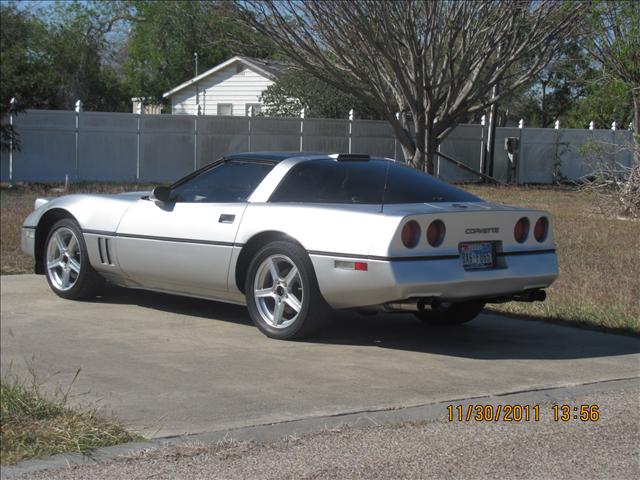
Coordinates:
column 163, row 194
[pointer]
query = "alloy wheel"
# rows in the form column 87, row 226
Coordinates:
column 63, row 259
column 278, row 291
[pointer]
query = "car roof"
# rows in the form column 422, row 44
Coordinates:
column 277, row 157
column 271, row 156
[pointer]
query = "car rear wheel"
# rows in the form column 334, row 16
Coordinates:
column 66, row 263
column 449, row 314
column 283, row 297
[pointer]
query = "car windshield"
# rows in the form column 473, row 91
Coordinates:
column 363, row 182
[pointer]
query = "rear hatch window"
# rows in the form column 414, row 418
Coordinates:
column 363, row 182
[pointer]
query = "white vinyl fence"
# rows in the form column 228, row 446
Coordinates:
column 126, row 147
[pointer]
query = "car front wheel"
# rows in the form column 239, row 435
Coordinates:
column 283, row 296
column 66, row 263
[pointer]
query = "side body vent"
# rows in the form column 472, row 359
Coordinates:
column 104, row 249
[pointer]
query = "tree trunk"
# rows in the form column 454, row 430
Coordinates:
column 431, row 145
column 636, row 114
column 419, row 156
column 543, row 106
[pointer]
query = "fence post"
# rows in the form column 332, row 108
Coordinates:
column 195, row 141
column 250, row 115
column 78, row 110
column 351, row 130
column 395, row 142
column 483, row 143
column 139, row 111
column 12, row 106
column 520, row 164
column 302, row 114
column 557, row 164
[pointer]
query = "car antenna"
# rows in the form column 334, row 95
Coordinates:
column 384, row 189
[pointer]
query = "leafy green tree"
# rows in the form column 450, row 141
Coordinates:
column 296, row 89
column 166, row 35
column 23, row 72
column 603, row 102
column 53, row 63
column 556, row 88
column 614, row 42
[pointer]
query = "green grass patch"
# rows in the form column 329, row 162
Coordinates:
column 34, row 424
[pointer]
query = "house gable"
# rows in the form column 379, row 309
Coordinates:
column 229, row 87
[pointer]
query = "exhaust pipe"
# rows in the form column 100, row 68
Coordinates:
column 421, row 304
column 410, row 306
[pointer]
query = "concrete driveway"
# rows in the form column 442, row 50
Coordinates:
column 169, row 365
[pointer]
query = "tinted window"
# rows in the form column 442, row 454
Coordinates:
column 408, row 185
column 328, row 181
column 231, row 181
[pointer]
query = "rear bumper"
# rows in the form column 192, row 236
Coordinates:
column 445, row 279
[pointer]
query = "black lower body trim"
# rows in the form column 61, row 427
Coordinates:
column 419, row 258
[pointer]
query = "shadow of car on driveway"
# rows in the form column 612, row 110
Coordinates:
column 488, row 337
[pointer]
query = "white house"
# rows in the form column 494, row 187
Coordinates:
column 230, row 88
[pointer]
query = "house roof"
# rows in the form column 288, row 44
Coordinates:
column 268, row 68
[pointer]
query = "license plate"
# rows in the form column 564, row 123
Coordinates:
column 477, row 255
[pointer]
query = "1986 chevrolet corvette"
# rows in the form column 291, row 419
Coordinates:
column 293, row 235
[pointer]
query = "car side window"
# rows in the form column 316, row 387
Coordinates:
column 229, row 182
column 326, row 181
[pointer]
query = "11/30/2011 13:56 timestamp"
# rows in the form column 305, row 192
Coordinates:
column 521, row 413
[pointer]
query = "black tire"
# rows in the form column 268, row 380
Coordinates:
column 314, row 314
column 88, row 282
column 450, row 314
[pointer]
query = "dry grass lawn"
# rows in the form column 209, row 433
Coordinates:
column 599, row 259
column 599, row 255
column 33, row 424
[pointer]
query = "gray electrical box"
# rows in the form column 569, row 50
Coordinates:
column 512, row 145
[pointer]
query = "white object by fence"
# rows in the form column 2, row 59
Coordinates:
column 127, row 147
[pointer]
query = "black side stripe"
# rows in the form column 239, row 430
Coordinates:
column 419, row 258
column 375, row 257
column 104, row 233
column 162, row 239
column 28, row 227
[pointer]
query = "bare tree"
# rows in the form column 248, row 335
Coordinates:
column 435, row 62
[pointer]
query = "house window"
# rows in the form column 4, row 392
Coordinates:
column 257, row 108
column 225, row 109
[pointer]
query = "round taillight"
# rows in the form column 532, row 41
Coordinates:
column 410, row 234
column 521, row 230
column 435, row 233
column 541, row 229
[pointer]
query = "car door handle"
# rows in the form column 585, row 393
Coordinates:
column 226, row 218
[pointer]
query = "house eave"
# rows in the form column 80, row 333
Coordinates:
column 215, row 69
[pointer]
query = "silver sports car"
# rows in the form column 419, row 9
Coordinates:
column 294, row 236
